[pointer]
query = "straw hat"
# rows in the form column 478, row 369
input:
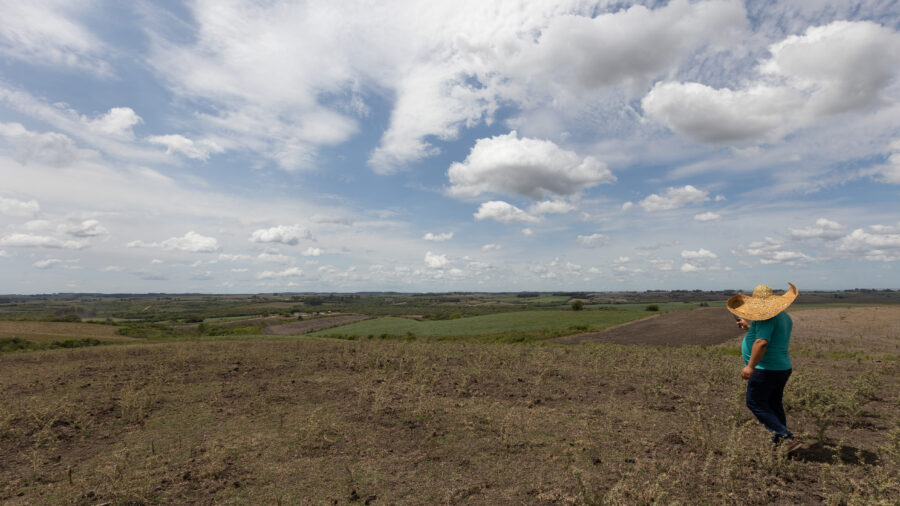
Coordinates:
column 763, row 304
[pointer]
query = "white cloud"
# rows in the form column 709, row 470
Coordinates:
column 15, row 207
column 3, row 253
column 284, row 234
column 47, row 263
column 312, row 252
column 435, row 261
column 714, row 115
column 176, row 143
column 890, row 171
column 107, row 133
column 529, row 54
column 627, row 205
column 843, row 65
column 628, row 47
column 87, row 228
column 686, row 267
column 233, row 258
column 52, row 148
column 191, row 242
column 527, row 232
column 771, row 251
column 446, row 236
column 708, row 216
column 534, row 168
column 674, row 198
column 593, row 240
column 882, row 244
column 662, row 265
column 290, row 272
column 39, row 241
column 47, row 33
column 118, row 122
column 112, row 268
column 503, row 212
column 885, row 229
column 551, row 207
column 700, row 254
column 823, row 229
column 274, row 257
column 491, row 247
column 828, row 70
column 202, row 276
column 263, row 69
column 38, row 225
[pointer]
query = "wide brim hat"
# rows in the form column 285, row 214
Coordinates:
column 763, row 304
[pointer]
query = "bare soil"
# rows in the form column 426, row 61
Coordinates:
column 316, row 324
column 710, row 325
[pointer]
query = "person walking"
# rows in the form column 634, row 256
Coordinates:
column 767, row 364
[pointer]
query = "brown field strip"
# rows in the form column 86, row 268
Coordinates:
column 306, row 326
column 41, row 332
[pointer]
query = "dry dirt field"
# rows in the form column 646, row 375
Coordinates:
column 305, row 421
column 711, row 325
column 313, row 325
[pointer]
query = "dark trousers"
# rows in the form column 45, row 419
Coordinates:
column 765, row 390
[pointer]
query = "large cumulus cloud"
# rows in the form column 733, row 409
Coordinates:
column 828, row 70
column 533, row 168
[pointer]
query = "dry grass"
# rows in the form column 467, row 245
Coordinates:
column 318, row 421
column 860, row 330
column 45, row 332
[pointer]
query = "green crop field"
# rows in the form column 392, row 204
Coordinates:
column 522, row 321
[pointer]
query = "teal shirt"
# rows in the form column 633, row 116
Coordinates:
column 776, row 330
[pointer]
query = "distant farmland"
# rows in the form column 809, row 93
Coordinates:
column 503, row 323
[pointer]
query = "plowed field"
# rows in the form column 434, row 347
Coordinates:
column 306, row 326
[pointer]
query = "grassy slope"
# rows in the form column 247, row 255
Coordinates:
column 488, row 324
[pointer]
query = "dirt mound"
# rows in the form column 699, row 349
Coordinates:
column 710, row 325
column 306, row 326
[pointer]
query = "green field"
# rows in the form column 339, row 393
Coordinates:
column 521, row 321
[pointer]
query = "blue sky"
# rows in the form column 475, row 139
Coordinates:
column 439, row 146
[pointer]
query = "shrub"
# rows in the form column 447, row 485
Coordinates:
column 816, row 399
column 652, row 307
column 577, row 305
column 14, row 344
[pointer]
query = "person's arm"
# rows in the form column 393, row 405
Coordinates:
column 762, row 331
column 756, row 354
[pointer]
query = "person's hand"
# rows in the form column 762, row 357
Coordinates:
column 746, row 372
column 742, row 323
